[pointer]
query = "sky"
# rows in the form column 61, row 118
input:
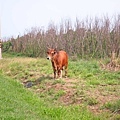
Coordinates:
column 17, row 16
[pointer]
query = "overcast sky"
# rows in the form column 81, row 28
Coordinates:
column 18, row 15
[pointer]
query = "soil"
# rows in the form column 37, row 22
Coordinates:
column 76, row 93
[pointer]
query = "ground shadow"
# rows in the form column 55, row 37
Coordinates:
column 29, row 84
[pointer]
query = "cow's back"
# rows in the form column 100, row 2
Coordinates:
column 62, row 58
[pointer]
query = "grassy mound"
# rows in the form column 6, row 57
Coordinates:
column 17, row 103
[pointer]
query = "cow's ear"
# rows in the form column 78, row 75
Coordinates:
column 48, row 48
column 55, row 50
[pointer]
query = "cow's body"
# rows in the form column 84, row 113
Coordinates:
column 59, row 61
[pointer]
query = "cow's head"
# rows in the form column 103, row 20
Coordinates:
column 50, row 53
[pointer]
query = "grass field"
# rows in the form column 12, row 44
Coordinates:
column 29, row 92
column 17, row 103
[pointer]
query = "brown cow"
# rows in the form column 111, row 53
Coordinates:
column 59, row 61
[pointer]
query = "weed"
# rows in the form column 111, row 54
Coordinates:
column 113, row 106
column 58, row 94
column 58, row 81
column 91, row 101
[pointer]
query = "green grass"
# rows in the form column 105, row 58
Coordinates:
column 91, row 101
column 12, row 54
column 86, row 86
column 113, row 106
column 17, row 103
column 92, row 73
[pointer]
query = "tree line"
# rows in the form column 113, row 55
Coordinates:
column 88, row 38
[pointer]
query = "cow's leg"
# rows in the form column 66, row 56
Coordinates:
column 59, row 73
column 54, row 69
column 60, row 69
column 55, row 74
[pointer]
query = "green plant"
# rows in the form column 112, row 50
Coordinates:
column 91, row 101
column 21, row 104
column 58, row 94
column 113, row 106
column 58, row 81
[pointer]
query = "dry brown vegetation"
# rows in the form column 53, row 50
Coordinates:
column 89, row 38
column 113, row 64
